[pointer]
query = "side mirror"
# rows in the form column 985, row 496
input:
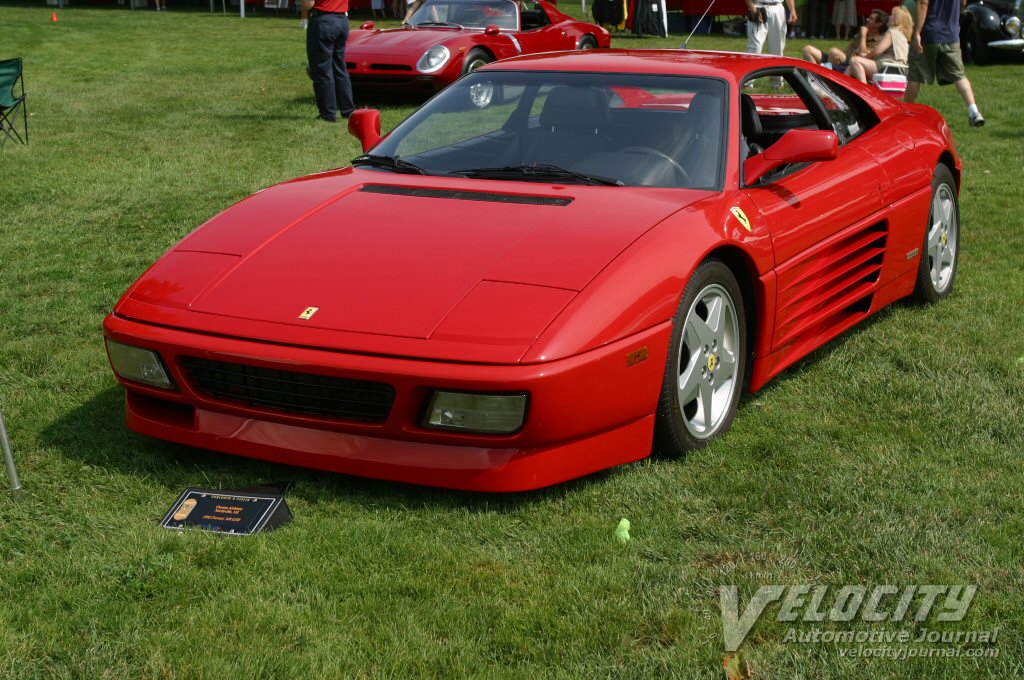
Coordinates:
column 368, row 26
column 796, row 146
column 492, row 30
column 364, row 125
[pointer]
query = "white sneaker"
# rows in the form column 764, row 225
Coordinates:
column 977, row 120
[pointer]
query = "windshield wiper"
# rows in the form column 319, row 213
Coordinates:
column 537, row 172
column 393, row 163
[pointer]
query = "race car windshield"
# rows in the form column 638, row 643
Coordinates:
column 468, row 14
column 586, row 128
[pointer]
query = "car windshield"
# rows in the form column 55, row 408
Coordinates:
column 468, row 14
column 587, row 128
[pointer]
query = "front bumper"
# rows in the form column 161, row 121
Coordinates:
column 587, row 412
column 1008, row 45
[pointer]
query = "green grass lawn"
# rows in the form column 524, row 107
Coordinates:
column 893, row 455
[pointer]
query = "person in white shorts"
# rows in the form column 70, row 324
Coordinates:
column 766, row 25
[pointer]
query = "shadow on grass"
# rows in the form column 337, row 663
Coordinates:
column 805, row 363
column 370, row 100
column 95, row 433
column 383, row 100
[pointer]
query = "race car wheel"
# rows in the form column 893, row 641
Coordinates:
column 587, row 42
column 707, row 362
column 973, row 45
column 474, row 60
column 941, row 251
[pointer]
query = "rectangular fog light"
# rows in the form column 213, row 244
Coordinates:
column 138, row 364
column 483, row 413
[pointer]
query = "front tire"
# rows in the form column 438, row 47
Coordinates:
column 474, row 60
column 941, row 251
column 706, row 368
column 588, row 42
column 973, row 45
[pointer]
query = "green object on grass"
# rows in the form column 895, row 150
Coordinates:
column 622, row 531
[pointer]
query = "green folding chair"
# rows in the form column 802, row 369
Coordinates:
column 10, row 74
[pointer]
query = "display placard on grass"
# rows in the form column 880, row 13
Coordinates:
column 238, row 512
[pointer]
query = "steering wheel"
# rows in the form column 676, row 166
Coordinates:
column 651, row 151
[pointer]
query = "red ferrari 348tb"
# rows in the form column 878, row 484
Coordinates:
column 448, row 38
column 553, row 266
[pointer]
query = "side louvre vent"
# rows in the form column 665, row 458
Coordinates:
column 829, row 287
column 464, row 195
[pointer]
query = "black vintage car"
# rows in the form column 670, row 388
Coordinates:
column 991, row 26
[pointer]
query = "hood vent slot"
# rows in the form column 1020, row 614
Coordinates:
column 464, row 195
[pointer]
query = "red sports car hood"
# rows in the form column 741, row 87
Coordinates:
column 379, row 254
column 412, row 42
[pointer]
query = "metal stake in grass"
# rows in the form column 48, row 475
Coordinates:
column 5, row 444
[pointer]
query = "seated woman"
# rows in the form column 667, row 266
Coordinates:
column 862, row 42
column 892, row 48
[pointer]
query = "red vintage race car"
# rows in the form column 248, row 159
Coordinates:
column 553, row 265
column 446, row 38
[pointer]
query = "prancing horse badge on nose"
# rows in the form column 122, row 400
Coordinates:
column 308, row 314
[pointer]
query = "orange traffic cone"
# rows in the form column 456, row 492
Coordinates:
column 53, row 18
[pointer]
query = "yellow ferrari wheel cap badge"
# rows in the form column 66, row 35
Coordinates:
column 308, row 314
column 712, row 363
column 742, row 217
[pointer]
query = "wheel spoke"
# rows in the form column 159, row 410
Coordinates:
column 689, row 381
column 935, row 239
column 726, row 366
column 706, row 394
column 946, row 258
column 935, row 252
column 946, row 210
column 702, row 334
column 714, row 314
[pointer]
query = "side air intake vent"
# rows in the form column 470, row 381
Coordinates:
column 831, row 286
column 464, row 195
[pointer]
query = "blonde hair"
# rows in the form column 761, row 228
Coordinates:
column 902, row 21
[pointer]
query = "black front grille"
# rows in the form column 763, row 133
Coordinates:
column 290, row 391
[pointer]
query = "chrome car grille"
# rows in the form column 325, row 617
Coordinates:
column 290, row 391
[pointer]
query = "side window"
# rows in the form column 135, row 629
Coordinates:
column 533, row 19
column 769, row 108
column 846, row 120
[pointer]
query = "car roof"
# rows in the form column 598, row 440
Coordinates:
column 731, row 66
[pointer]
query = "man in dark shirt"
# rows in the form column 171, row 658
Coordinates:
column 935, row 53
column 325, row 50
